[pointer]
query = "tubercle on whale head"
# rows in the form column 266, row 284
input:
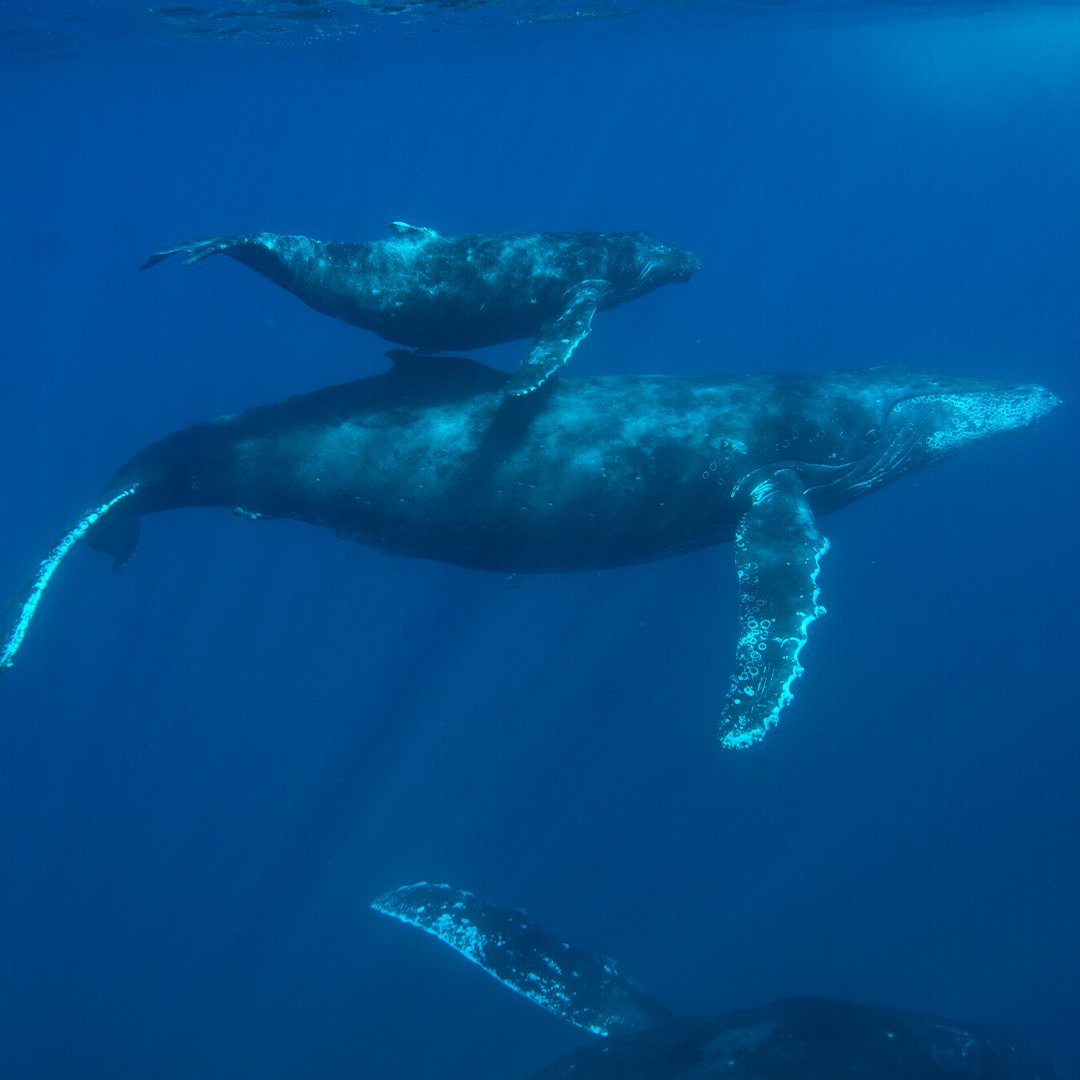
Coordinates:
column 949, row 420
column 971, row 417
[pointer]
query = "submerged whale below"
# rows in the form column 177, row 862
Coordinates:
column 434, row 292
column 432, row 459
column 792, row 1039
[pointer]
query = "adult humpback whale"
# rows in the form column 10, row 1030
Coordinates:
column 436, row 292
column 792, row 1039
column 432, row 459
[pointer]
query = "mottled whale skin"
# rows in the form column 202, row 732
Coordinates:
column 435, row 292
column 432, row 459
column 791, row 1039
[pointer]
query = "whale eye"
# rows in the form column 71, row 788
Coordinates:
column 871, row 436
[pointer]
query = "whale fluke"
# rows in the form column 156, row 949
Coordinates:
column 21, row 611
column 197, row 250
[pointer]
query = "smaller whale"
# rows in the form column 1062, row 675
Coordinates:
column 792, row 1039
column 435, row 292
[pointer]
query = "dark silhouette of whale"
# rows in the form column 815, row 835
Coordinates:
column 436, row 292
column 792, row 1039
column 432, row 459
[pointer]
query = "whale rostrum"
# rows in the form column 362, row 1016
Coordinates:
column 433, row 291
column 433, row 459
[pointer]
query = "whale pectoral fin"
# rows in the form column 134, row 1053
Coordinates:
column 580, row 987
column 415, row 232
column 197, row 250
column 778, row 551
column 559, row 337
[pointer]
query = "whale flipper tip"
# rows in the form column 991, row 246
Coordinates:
column 559, row 337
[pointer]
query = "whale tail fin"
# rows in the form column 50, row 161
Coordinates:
column 196, row 250
column 119, row 542
column 116, row 535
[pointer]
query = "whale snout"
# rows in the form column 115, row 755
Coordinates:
column 1011, row 409
column 1042, row 401
column 686, row 265
column 973, row 416
column 659, row 263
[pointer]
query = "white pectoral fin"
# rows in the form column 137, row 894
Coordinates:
column 559, row 337
column 778, row 551
column 582, row 988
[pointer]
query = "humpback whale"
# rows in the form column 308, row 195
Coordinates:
column 432, row 459
column 435, row 292
column 791, row 1039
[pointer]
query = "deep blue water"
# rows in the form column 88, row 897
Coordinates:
column 212, row 762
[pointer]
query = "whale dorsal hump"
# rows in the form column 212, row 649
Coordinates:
column 413, row 232
column 459, row 372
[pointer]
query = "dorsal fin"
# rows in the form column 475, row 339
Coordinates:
column 415, row 232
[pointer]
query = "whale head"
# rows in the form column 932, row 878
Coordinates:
column 905, row 421
column 654, row 263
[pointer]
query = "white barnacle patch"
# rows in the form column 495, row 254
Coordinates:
column 730, row 446
column 726, row 455
column 547, row 993
column 463, row 935
column 584, row 990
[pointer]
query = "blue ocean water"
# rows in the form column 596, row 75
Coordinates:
column 212, row 762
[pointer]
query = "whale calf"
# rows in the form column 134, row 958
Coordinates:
column 436, row 292
column 432, row 459
column 791, row 1039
